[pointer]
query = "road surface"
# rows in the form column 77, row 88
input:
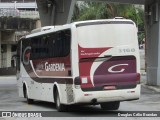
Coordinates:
column 9, row 101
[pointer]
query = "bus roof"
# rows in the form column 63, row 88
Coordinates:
column 49, row 29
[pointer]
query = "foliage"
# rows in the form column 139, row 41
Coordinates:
column 105, row 10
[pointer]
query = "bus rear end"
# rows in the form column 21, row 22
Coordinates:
column 109, row 66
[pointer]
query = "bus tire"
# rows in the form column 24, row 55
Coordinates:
column 29, row 101
column 60, row 107
column 110, row 105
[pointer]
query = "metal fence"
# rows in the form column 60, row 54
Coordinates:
column 29, row 14
column 6, row 12
column 11, row 12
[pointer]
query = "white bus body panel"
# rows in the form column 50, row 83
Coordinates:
column 80, row 36
column 107, row 96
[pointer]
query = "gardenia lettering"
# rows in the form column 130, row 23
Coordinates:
column 54, row 67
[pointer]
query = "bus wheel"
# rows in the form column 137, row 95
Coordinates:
column 110, row 105
column 60, row 107
column 29, row 101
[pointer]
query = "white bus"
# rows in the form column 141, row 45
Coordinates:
column 87, row 62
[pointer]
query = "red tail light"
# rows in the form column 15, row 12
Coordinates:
column 138, row 78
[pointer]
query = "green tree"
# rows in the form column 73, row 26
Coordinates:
column 91, row 11
column 105, row 10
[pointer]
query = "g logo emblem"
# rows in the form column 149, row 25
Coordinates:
column 117, row 71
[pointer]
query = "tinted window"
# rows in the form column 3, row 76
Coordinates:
column 51, row 45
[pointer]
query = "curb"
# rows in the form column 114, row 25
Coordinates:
column 10, row 76
column 154, row 88
column 143, row 72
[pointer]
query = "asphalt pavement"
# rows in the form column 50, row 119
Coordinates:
column 10, row 101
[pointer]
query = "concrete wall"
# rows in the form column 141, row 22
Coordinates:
column 0, row 49
column 9, row 57
column 152, row 53
column 13, row 23
column 8, row 37
column 57, row 12
column 7, row 71
column 38, row 24
column 153, row 42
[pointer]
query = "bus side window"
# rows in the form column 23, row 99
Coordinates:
column 51, row 45
column 67, row 41
column 62, row 44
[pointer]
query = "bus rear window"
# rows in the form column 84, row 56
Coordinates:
column 106, row 35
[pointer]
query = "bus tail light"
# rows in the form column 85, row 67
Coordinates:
column 138, row 78
column 77, row 83
column 87, row 94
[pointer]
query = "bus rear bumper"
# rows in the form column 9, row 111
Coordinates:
column 107, row 96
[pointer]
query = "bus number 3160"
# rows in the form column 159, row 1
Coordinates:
column 128, row 50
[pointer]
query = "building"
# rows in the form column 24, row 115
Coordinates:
column 17, row 18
